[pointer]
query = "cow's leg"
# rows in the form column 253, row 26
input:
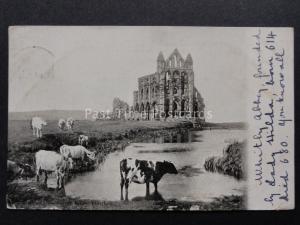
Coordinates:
column 147, row 190
column 33, row 133
column 62, row 180
column 126, row 189
column 155, row 187
column 40, row 133
column 46, row 178
column 122, row 185
column 37, row 174
column 57, row 179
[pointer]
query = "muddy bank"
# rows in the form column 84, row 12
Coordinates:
column 27, row 195
column 231, row 163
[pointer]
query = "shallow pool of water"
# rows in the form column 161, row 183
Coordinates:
column 188, row 152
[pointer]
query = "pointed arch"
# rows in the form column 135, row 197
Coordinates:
column 167, row 107
column 183, row 82
column 136, row 107
column 183, row 107
column 147, row 93
column 142, row 108
column 147, row 111
column 154, row 110
column 175, row 107
column 196, row 109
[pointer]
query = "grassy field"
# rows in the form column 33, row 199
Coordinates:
column 104, row 137
column 19, row 130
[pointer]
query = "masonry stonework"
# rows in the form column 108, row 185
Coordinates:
column 170, row 91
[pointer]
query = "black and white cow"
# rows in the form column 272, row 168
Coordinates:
column 143, row 172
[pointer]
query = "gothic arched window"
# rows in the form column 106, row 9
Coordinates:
column 182, row 84
column 168, row 80
column 175, row 61
column 175, row 90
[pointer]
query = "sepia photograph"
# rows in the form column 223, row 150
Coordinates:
column 150, row 118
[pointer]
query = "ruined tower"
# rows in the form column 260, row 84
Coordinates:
column 170, row 90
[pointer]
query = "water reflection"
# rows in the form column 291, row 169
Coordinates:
column 155, row 196
column 171, row 137
column 190, row 171
column 167, row 150
column 187, row 151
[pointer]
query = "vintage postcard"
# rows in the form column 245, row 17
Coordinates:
column 150, row 118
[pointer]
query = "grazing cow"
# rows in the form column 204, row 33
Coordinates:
column 51, row 161
column 13, row 170
column 143, row 171
column 83, row 140
column 76, row 152
column 70, row 123
column 62, row 124
column 36, row 125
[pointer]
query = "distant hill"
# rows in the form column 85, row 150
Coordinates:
column 47, row 114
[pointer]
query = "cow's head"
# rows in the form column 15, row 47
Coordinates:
column 27, row 170
column 70, row 163
column 44, row 123
column 91, row 155
column 169, row 167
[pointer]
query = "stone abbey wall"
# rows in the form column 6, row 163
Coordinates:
column 170, row 90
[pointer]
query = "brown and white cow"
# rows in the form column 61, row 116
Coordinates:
column 143, row 172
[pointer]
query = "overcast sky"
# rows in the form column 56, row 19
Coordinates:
column 92, row 65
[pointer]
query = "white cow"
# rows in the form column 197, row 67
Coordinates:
column 62, row 124
column 37, row 124
column 70, row 123
column 76, row 152
column 51, row 161
column 83, row 140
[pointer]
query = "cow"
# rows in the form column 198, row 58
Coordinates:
column 14, row 170
column 70, row 123
column 83, row 140
column 76, row 152
column 51, row 161
column 143, row 172
column 62, row 124
column 36, row 125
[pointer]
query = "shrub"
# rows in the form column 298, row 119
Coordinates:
column 230, row 163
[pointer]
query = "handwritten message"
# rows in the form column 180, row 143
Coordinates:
column 271, row 143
